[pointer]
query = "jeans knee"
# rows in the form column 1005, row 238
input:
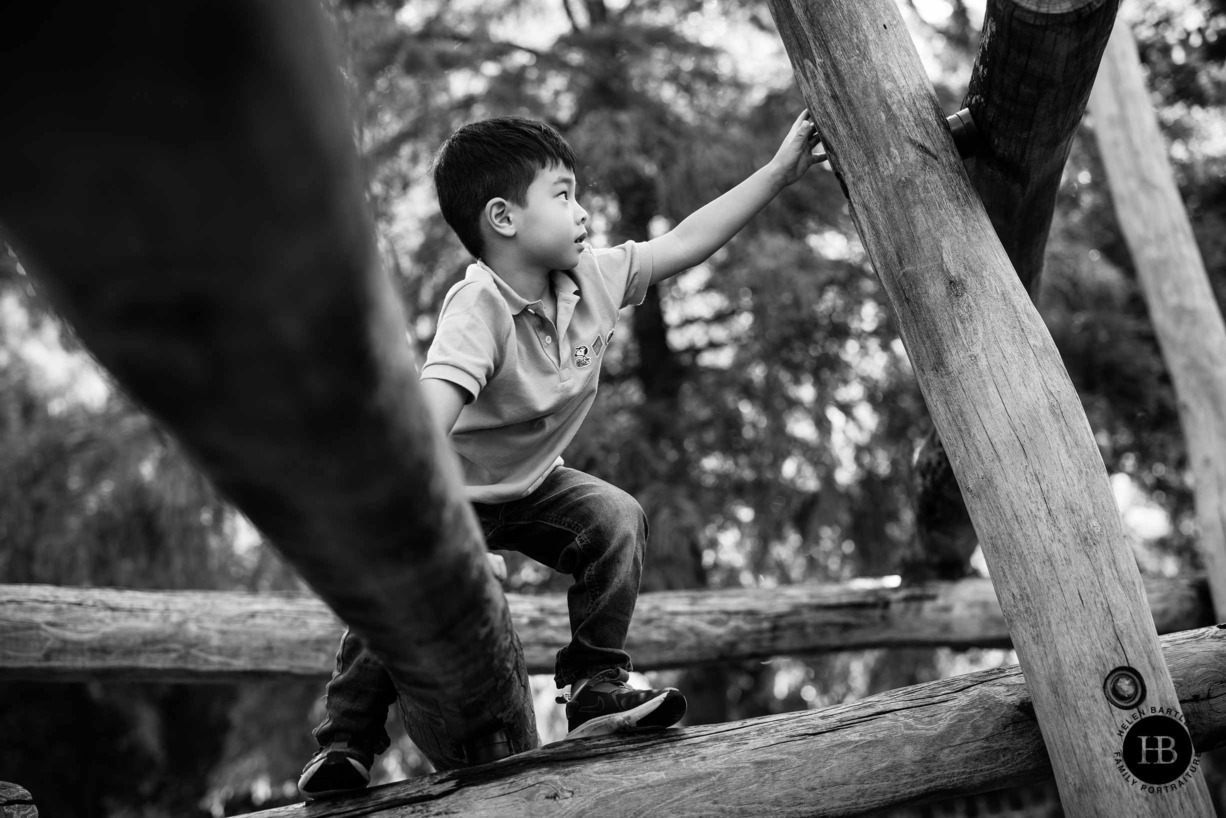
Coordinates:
column 618, row 517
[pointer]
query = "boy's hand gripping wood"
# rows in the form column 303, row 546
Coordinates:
column 1010, row 418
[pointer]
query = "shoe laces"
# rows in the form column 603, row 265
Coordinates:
column 608, row 675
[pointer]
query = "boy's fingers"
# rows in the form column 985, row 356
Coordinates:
column 806, row 120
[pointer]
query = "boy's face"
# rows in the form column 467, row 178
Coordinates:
column 552, row 227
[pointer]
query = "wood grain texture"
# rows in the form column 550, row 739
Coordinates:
column 1007, row 413
column 181, row 181
column 77, row 634
column 970, row 734
column 1182, row 306
column 16, row 802
column 1052, row 7
column 1027, row 94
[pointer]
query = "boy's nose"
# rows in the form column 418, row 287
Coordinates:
column 582, row 215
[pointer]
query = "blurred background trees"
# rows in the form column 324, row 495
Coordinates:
column 760, row 406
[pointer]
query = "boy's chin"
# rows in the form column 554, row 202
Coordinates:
column 569, row 261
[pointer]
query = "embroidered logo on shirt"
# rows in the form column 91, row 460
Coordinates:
column 581, row 357
column 597, row 345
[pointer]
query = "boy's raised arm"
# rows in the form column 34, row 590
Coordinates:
column 711, row 226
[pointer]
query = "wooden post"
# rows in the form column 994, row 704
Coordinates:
column 181, row 180
column 1182, row 307
column 911, row 746
column 1006, row 411
column 1027, row 94
column 1029, row 86
column 55, row 634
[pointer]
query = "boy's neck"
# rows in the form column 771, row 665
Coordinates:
column 531, row 283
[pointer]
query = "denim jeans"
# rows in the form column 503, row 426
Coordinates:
column 574, row 523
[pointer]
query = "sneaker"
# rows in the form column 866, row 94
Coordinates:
column 606, row 704
column 335, row 769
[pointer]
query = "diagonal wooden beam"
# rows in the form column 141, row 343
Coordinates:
column 1002, row 402
column 59, row 634
column 957, row 737
column 1182, row 306
column 181, row 180
column 1028, row 91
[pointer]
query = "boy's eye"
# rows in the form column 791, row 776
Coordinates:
column 564, row 194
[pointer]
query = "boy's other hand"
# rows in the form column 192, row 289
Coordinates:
column 498, row 566
column 801, row 149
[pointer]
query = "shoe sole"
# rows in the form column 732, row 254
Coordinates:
column 338, row 776
column 655, row 714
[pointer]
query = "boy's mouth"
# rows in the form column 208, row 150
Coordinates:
column 582, row 238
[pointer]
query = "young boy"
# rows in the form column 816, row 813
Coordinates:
column 510, row 376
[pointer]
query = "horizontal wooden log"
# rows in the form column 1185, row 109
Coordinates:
column 956, row 737
column 16, row 802
column 62, row 634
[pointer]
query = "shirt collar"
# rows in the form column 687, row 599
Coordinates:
column 561, row 281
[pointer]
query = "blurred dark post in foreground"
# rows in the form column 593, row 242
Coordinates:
column 181, row 180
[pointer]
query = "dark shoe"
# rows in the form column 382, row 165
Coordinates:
column 335, row 769
column 606, row 704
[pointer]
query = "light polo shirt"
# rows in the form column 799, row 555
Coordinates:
column 531, row 381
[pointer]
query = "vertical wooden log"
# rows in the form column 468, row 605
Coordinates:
column 1006, row 411
column 1182, row 308
column 182, row 180
column 1028, row 90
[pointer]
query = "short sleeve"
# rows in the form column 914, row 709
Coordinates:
column 474, row 326
column 627, row 267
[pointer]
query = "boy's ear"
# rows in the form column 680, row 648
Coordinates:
column 497, row 214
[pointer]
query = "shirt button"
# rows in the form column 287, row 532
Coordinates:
column 548, row 340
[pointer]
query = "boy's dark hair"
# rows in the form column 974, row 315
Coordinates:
column 490, row 159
